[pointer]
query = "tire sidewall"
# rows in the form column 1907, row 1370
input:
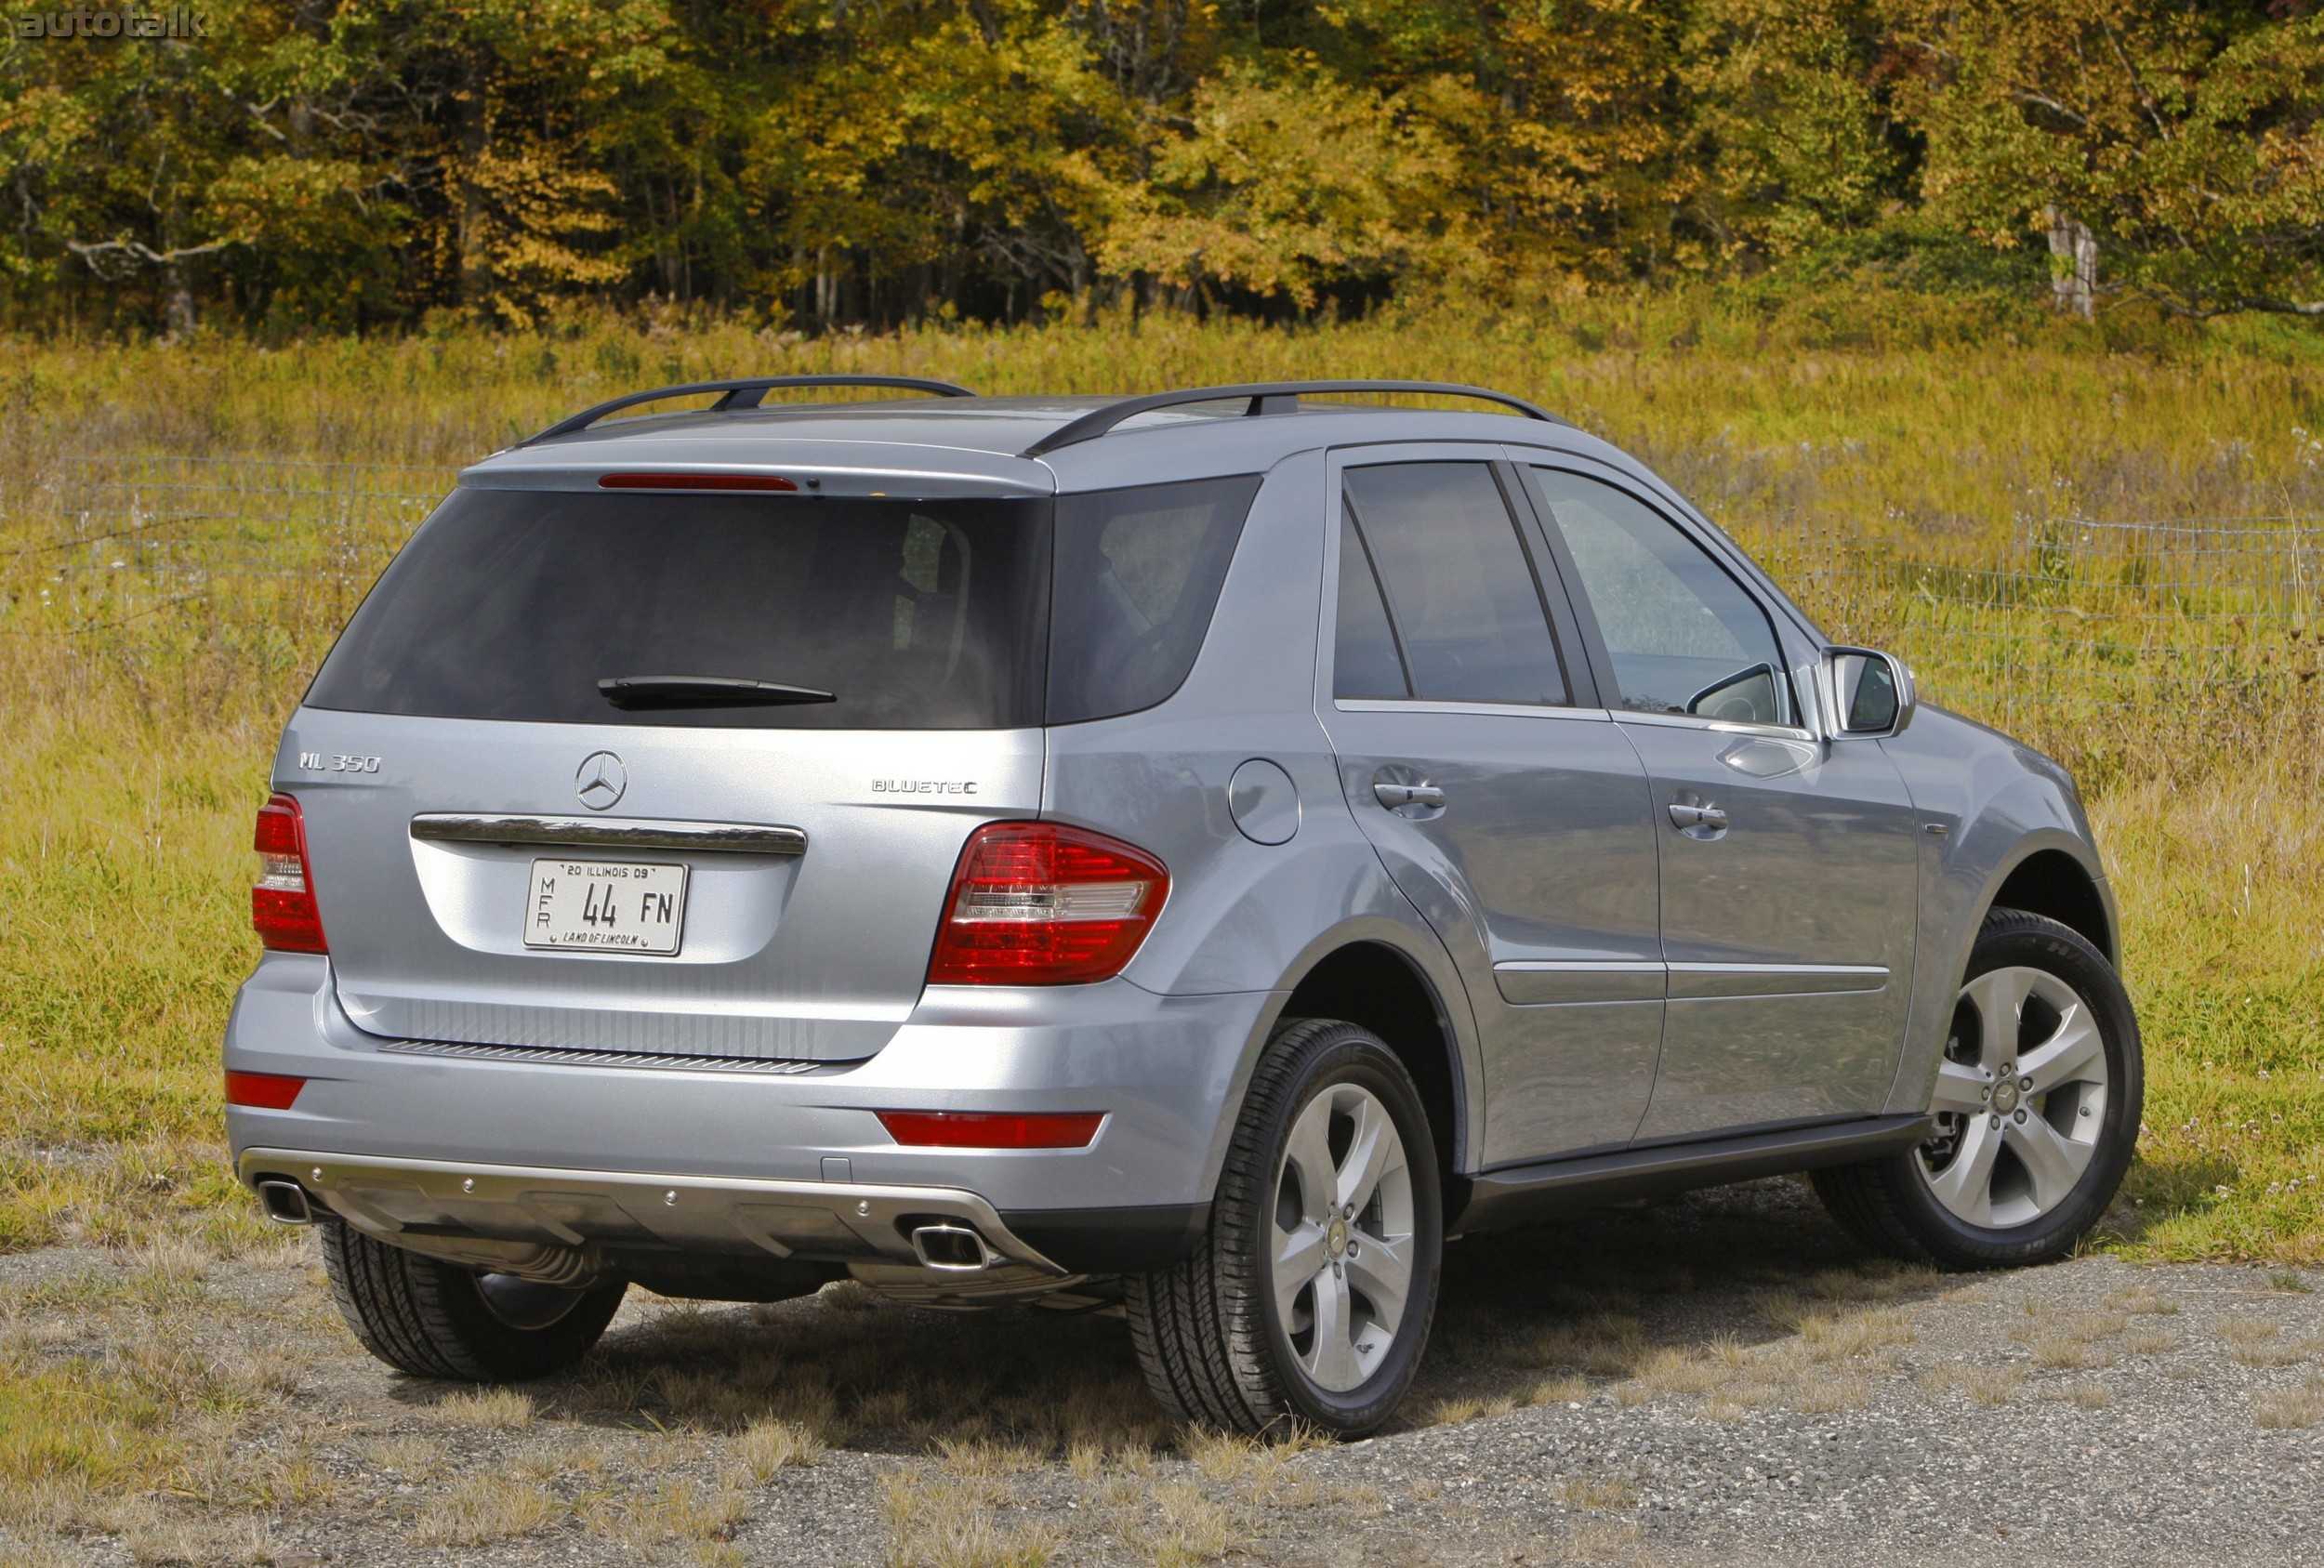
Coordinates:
column 2031, row 942
column 1349, row 1055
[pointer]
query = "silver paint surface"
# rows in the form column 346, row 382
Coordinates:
column 1603, row 977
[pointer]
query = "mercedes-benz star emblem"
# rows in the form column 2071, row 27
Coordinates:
column 600, row 782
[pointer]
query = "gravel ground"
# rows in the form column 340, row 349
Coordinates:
column 1721, row 1379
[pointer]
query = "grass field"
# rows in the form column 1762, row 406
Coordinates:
column 1888, row 463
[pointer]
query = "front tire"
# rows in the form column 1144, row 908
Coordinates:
column 436, row 1318
column 1309, row 1299
column 2037, row 1104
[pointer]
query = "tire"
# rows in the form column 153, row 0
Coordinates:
column 1924, row 1204
column 1221, row 1345
column 435, row 1318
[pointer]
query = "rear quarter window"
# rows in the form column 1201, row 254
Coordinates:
column 1137, row 577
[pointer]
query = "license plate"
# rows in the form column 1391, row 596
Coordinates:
column 605, row 906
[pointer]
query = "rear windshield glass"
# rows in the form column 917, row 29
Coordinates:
column 1138, row 575
column 515, row 604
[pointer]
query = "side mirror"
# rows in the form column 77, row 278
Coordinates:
column 1868, row 694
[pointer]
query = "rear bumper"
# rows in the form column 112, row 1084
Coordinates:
column 726, row 1136
column 573, row 1225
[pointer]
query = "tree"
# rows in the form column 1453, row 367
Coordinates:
column 2168, row 150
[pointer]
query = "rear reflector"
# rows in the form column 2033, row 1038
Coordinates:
column 262, row 1091
column 283, row 904
column 697, row 482
column 993, row 1130
column 1036, row 904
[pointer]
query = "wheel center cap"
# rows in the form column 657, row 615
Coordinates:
column 2005, row 1095
column 1336, row 1238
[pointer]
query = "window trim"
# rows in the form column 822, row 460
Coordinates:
column 1566, row 644
column 1594, row 639
column 1351, row 524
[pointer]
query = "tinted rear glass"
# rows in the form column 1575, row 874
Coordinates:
column 1138, row 575
column 514, row 604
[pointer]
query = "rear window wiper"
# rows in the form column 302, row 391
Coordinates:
column 703, row 691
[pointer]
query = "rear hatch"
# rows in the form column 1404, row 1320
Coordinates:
column 741, row 851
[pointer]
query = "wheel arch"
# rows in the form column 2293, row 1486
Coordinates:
column 1381, row 987
column 2048, row 880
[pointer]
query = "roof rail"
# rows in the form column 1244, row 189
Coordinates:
column 1266, row 397
column 744, row 394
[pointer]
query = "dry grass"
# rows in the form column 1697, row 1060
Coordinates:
column 1979, row 1382
column 133, row 767
column 1820, row 1393
column 1731, row 1402
column 939, row 1522
column 1567, row 1389
column 1603, row 1345
column 409, row 1458
column 1607, row 1540
column 2291, row 1409
column 1674, row 1371
column 2062, row 1352
column 2142, row 1300
column 766, row 1448
column 2089, row 1396
column 494, row 1409
column 483, row 1509
column 1853, row 1334
column 1598, row 1492
column 2257, row 1342
column 684, row 1508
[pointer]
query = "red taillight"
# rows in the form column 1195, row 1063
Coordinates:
column 697, row 482
column 993, row 1130
column 262, row 1091
column 282, row 905
column 1035, row 903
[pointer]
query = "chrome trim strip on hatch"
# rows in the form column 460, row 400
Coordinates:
column 737, row 839
column 561, row 1056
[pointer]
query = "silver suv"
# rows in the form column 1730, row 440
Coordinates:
column 1195, row 854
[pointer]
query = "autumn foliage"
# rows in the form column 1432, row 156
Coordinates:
column 326, row 164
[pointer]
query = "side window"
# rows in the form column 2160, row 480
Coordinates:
column 1364, row 662
column 1138, row 575
column 1461, row 594
column 1683, row 634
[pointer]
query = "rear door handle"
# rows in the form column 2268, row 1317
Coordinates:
column 1422, row 794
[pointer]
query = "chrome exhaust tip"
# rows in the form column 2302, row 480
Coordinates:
column 953, row 1250
column 284, row 1202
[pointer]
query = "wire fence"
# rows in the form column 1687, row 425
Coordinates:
column 2116, row 621
column 233, row 538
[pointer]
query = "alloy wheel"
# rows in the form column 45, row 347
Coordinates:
column 2021, row 1099
column 1342, row 1238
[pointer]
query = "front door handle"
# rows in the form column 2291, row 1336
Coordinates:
column 1396, row 796
column 1697, row 817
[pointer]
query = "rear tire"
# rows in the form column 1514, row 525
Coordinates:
column 2037, row 1101
column 1308, row 1301
column 436, row 1318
